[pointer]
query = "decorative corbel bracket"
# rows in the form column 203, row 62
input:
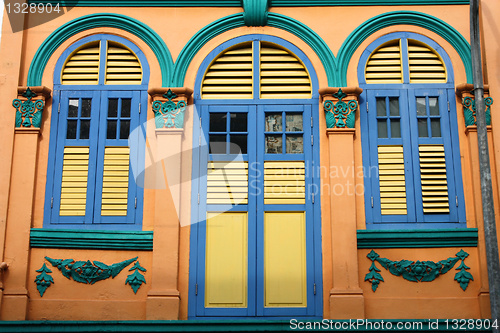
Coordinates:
column 170, row 113
column 340, row 113
column 29, row 111
column 255, row 12
column 466, row 93
column 419, row 271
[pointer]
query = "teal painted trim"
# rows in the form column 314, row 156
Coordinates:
column 237, row 20
column 255, row 12
column 388, row 239
column 91, row 239
column 83, row 23
column 409, row 325
column 426, row 21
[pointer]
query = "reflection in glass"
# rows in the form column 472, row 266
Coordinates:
column 422, row 128
column 436, row 128
column 421, row 111
column 86, row 107
column 433, row 106
column 218, row 122
column 71, row 130
column 381, row 110
column 239, row 143
column 111, row 133
column 394, row 107
column 395, row 128
column 274, row 122
column 274, row 144
column 124, row 129
column 217, row 144
column 84, row 129
column 73, row 108
column 238, row 122
column 294, row 144
column 294, row 122
column 113, row 108
column 125, row 108
column 382, row 128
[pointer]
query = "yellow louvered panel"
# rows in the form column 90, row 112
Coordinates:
column 74, row 181
column 115, row 181
column 227, row 183
column 392, row 180
column 385, row 65
column 284, row 182
column 282, row 74
column 82, row 67
column 122, row 65
column 425, row 65
column 230, row 75
column 433, row 179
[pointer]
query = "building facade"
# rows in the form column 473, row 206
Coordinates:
column 232, row 160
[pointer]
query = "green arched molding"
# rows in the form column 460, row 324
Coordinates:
column 237, row 20
column 426, row 21
column 255, row 12
column 83, row 23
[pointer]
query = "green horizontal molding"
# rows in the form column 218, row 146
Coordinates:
column 369, row 239
column 238, row 3
column 353, row 325
column 109, row 20
column 91, row 239
column 237, row 20
column 432, row 23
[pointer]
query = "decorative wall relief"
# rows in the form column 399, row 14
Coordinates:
column 419, row 271
column 28, row 112
column 470, row 110
column 89, row 272
column 169, row 114
column 342, row 113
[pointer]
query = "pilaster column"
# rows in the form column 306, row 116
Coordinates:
column 346, row 296
column 168, row 105
column 29, row 107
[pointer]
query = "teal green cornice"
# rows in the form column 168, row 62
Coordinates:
column 255, row 12
column 423, row 20
column 379, row 239
column 237, row 20
column 91, row 239
column 91, row 21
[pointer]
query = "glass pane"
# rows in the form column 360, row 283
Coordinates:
column 124, row 129
column 394, row 107
column 73, row 108
column 381, row 110
column 125, row 108
column 238, row 122
column 218, row 122
column 113, row 108
column 395, row 128
column 433, row 106
column 111, row 129
column 274, row 144
column 71, row 130
column 436, row 128
column 217, row 144
column 421, row 111
column 294, row 122
column 274, row 122
column 238, row 143
column 382, row 128
column 86, row 107
column 294, row 144
column 84, row 129
column 422, row 128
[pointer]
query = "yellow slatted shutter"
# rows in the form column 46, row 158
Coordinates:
column 115, row 181
column 227, row 183
column 82, row 66
column 284, row 182
column 122, row 65
column 385, row 64
column 74, row 181
column 433, row 179
column 230, row 75
column 425, row 65
column 392, row 180
column 282, row 74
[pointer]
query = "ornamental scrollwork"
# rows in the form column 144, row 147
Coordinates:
column 30, row 110
column 419, row 271
column 136, row 279
column 470, row 110
column 169, row 114
column 44, row 279
column 342, row 113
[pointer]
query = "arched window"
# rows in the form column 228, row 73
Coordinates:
column 409, row 135
column 99, row 85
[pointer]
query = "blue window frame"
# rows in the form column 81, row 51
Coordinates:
column 410, row 146
column 90, row 184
